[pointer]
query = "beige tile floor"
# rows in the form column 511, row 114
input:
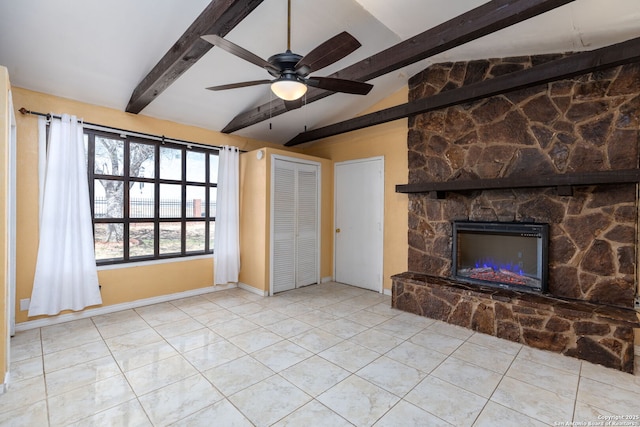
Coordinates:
column 324, row 355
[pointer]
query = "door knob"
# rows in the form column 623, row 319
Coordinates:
column 337, row 230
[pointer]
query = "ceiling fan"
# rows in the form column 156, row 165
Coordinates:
column 291, row 71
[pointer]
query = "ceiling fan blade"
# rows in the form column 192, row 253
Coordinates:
column 340, row 85
column 293, row 105
column 238, row 51
column 327, row 53
column 239, row 85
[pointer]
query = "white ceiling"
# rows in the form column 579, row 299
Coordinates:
column 98, row 51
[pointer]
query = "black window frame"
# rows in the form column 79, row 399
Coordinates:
column 208, row 219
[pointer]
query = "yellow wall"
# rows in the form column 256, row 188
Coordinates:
column 390, row 141
column 119, row 285
column 254, row 205
column 4, row 193
column 255, row 220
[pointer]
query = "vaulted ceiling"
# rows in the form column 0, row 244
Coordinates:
column 100, row 52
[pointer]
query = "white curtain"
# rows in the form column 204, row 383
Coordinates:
column 66, row 277
column 226, row 252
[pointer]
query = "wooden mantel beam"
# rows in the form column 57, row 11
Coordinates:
column 609, row 177
column 579, row 63
column 485, row 19
column 219, row 17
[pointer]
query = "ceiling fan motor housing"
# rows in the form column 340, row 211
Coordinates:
column 286, row 63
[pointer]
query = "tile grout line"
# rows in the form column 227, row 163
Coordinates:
column 489, row 399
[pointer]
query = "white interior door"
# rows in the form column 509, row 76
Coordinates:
column 295, row 224
column 359, row 212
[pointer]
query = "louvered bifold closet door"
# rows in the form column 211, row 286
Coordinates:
column 284, row 223
column 307, row 225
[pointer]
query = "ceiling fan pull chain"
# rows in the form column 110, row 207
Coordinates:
column 306, row 112
column 270, row 108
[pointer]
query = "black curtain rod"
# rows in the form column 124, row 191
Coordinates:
column 125, row 131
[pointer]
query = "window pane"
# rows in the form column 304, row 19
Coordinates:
column 213, row 168
column 108, row 198
column 195, row 166
column 195, row 236
column 212, row 229
column 141, row 200
column 142, row 160
column 195, row 201
column 170, row 238
column 109, row 156
column 141, row 239
column 108, row 241
column 213, row 196
column 170, row 201
column 170, row 163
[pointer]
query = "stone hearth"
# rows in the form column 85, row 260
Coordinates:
column 596, row 333
column 589, row 123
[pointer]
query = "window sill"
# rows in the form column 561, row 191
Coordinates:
column 152, row 262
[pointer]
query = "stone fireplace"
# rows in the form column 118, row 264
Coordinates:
column 577, row 126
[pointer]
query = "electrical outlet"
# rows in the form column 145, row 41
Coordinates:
column 24, row 304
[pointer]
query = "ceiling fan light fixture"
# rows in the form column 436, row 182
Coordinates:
column 288, row 89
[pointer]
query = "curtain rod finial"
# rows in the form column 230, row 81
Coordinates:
column 24, row 111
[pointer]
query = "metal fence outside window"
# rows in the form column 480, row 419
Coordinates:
column 169, row 208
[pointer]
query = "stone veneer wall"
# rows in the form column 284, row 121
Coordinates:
column 588, row 123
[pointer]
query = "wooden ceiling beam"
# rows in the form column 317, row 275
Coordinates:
column 219, row 17
column 574, row 65
column 485, row 19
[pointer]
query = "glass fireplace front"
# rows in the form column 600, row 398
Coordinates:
column 506, row 255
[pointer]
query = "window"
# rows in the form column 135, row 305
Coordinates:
column 150, row 200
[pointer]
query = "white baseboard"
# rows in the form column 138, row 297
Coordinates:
column 48, row 321
column 326, row 279
column 387, row 292
column 253, row 290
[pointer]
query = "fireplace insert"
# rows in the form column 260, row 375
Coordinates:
column 511, row 255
